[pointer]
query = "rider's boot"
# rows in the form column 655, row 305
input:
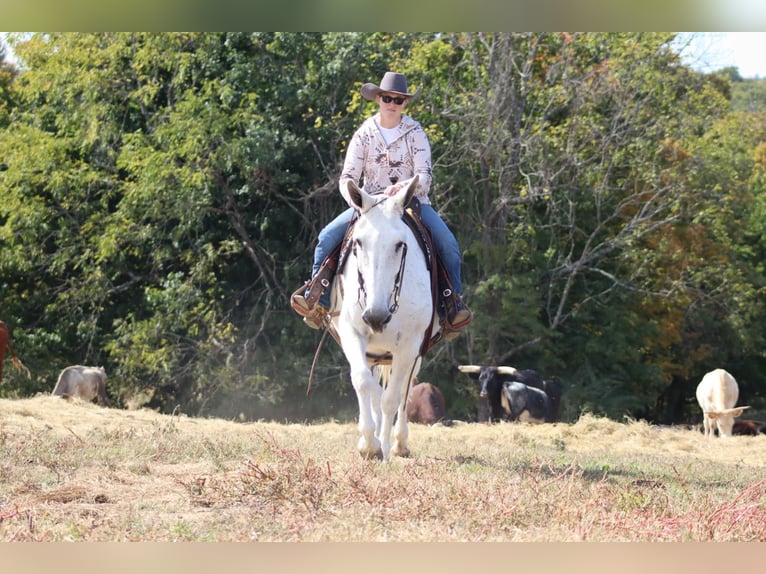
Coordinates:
column 458, row 316
column 311, row 301
column 315, row 316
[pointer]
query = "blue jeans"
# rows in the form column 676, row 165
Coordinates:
column 443, row 238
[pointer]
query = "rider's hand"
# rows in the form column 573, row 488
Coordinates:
column 392, row 189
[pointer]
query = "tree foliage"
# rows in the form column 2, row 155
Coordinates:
column 162, row 193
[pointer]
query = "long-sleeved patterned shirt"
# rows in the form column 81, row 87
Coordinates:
column 383, row 165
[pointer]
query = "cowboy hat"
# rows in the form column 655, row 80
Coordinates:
column 391, row 82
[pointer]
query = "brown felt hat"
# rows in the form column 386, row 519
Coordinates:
column 391, row 82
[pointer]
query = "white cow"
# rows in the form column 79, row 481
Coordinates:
column 717, row 394
column 86, row 383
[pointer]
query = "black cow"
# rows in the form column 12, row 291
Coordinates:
column 491, row 381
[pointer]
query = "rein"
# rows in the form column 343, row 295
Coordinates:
column 328, row 328
column 376, row 204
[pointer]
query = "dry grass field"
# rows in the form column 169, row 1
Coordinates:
column 71, row 471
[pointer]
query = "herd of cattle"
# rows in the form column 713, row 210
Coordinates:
column 505, row 394
column 510, row 394
column 516, row 395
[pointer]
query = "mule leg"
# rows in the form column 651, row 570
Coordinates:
column 364, row 384
column 394, row 405
column 401, row 432
column 389, row 406
column 376, row 394
column 402, row 429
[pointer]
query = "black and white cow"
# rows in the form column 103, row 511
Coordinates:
column 523, row 403
column 491, row 380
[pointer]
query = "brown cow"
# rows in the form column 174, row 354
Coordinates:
column 425, row 404
column 5, row 343
column 86, row 383
column 748, row 427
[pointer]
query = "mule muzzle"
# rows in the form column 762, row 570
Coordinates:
column 377, row 320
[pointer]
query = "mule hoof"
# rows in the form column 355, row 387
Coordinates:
column 369, row 451
column 371, row 455
column 399, row 450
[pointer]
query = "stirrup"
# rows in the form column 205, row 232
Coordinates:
column 298, row 301
column 319, row 318
column 458, row 315
column 314, row 316
column 450, row 331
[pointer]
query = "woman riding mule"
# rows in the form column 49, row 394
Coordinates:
column 388, row 150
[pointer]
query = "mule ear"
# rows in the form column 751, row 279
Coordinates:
column 404, row 197
column 354, row 194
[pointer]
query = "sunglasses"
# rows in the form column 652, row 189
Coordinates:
column 389, row 99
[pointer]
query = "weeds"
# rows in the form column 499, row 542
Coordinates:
column 109, row 475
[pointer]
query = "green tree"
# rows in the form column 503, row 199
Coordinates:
column 748, row 95
column 162, row 193
column 568, row 140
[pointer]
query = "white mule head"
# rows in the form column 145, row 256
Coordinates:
column 363, row 201
column 380, row 248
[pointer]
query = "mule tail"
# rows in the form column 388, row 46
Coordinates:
column 383, row 372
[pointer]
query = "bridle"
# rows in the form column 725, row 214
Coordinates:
column 361, row 295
